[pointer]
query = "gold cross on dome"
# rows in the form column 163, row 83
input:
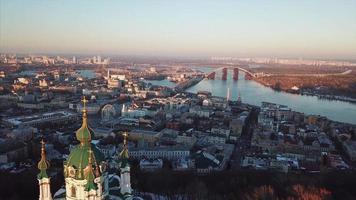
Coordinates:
column 125, row 137
column 43, row 146
column 84, row 100
column 43, row 150
column 42, row 142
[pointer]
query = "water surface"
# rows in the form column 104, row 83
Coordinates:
column 254, row 93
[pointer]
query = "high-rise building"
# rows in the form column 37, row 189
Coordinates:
column 98, row 59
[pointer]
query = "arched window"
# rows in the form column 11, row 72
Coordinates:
column 73, row 192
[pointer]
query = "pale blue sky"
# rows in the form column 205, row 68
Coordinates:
column 298, row 28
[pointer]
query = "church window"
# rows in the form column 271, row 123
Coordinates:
column 73, row 192
column 71, row 172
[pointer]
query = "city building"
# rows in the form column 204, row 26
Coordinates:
column 151, row 165
column 56, row 117
column 148, row 136
column 12, row 151
column 169, row 153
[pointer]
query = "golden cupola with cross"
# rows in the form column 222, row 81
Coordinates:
column 84, row 170
column 84, row 134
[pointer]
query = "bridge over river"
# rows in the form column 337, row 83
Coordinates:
column 225, row 68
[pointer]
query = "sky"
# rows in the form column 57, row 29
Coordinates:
column 251, row 28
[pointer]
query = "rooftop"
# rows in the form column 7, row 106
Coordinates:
column 38, row 117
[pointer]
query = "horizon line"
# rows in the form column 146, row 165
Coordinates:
column 180, row 56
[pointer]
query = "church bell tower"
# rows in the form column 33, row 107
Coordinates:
column 125, row 183
column 43, row 179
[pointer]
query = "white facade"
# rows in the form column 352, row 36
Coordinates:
column 200, row 111
column 216, row 139
column 114, row 83
column 168, row 154
column 45, row 190
column 75, row 189
column 151, row 164
column 125, row 182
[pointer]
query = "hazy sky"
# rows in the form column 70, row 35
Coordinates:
column 295, row 28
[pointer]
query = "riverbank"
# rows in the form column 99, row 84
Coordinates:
column 319, row 92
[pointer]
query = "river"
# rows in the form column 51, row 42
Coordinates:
column 254, row 93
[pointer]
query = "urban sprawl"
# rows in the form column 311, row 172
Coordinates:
column 42, row 99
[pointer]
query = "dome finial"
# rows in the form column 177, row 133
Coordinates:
column 124, row 155
column 43, row 164
column 125, row 138
column 85, row 101
column 84, row 110
column 84, row 134
column 43, row 150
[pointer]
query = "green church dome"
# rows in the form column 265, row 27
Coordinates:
column 84, row 134
column 79, row 156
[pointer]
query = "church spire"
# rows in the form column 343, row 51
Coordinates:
column 84, row 134
column 125, row 183
column 84, row 111
column 124, row 155
column 43, row 164
column 82, row 169
column 43, row 179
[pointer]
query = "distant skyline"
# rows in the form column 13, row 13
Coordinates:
column 323, row 29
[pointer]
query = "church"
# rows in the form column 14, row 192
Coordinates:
column 86, row 171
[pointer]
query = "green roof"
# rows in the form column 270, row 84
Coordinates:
column 124, row 163
column 42, row 174
column 43, row 164
column 90, row 184
column 84, row 134
column 124, row 158
column 79, row 157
